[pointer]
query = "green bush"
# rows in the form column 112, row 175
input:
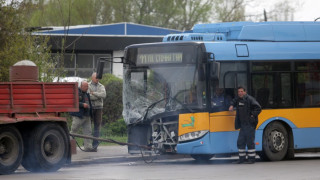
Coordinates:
column 112, row 105
column 117, row 128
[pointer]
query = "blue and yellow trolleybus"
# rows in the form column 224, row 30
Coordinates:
column 177, row 92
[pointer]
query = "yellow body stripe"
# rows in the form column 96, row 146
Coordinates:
column 302, row 118
column 224, row 121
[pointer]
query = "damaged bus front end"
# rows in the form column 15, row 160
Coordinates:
column 161, row 82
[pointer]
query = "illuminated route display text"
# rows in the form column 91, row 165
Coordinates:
column 159, row 58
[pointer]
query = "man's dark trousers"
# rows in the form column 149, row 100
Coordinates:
column 97, row 117
column 246, row 138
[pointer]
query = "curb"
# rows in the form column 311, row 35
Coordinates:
column 102, row 160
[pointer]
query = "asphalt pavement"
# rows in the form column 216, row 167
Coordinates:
column 116, row 153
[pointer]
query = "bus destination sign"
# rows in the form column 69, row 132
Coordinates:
column 159, row 58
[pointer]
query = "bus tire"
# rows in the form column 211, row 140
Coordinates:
column 11, row 149
column 275, row 142
column 201, row 157
column 46, row 149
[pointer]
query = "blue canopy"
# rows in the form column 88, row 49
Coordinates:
column 124, row 29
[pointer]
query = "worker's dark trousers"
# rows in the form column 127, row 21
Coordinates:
column 246, row 138
column 97, row 118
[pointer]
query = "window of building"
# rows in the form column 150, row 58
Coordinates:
column 69, row 61
column 85, row 61
column 81, row 65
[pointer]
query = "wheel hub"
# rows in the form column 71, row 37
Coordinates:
column 8, row 149
column 48, row 147
column 277, row 141
column 2, row 149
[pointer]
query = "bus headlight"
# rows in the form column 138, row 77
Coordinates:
column 192, row 135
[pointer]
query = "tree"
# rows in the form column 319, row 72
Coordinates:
column 191, row 12
column 229, row 10
column 178, row 14
column 17, row 44
column 282, row 11
column 10, row 39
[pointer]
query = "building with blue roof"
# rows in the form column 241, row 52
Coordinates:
column 86, row 43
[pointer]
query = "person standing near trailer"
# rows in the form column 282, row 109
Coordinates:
column 82, row 118
column 246, row 120
column 97, row 93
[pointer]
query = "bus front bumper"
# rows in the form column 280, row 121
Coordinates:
column 199, row 146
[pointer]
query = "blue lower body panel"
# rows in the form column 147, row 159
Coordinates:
column 211, row 143
column 216, row 143
column 226, row 142
column 306, row 138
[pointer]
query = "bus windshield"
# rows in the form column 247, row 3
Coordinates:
column 155, row 89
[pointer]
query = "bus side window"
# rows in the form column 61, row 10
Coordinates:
column 307, row 89
column 262, row 86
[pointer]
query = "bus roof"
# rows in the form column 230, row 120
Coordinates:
column 251, row 31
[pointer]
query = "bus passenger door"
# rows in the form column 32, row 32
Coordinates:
column 223, row 90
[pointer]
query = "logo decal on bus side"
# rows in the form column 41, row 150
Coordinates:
column 190, row 124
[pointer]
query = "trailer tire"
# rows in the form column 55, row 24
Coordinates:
column 11, row 149
column 46, row 149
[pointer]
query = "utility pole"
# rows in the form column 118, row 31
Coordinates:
column 265, row 15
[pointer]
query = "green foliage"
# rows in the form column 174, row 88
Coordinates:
column 177, row 14
column 117, row 128
column 11, row 41
column 229, row 10
column 112, row 107
column 17, row 45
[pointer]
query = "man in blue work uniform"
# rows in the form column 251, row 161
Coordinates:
column 220, row 102
column 246, row 120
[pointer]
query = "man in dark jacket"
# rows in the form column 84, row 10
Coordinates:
column 246, row 120
column 82, row 118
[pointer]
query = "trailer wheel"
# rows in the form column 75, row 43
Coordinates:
column 11, row 149
column 275, row 142
column 46, row 149
column 201, row 157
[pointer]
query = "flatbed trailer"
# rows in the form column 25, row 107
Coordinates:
column 33, row 131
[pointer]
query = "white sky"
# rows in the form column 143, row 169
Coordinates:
column 305, row 10
column 309, row 11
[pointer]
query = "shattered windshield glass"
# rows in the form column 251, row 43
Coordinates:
column 151, row 90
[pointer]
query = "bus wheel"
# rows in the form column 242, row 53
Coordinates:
column 275, row 142
column 201, row 157
column 46, row 149
column 11, row 149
